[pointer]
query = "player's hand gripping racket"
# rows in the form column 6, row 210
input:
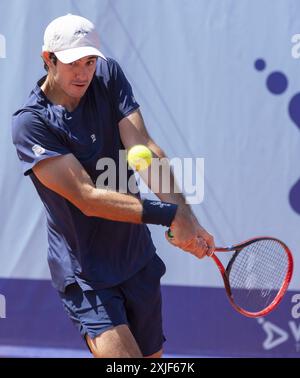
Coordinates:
column 257, row 274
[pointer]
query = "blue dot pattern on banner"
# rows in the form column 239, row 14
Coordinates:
column 277, row 83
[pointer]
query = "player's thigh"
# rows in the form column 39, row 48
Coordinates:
column 144, row 307
column 116, row 342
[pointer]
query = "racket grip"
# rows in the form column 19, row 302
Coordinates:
column 170, row 235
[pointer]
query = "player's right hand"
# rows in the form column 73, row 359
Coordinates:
column 189, row 235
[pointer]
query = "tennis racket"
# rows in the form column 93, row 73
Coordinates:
column 257, row 275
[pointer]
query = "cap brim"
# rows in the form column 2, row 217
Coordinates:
column 70, row 55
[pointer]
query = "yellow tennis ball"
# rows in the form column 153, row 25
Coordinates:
column 139, row 157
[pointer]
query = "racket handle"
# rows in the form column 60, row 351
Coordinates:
column 170, row 235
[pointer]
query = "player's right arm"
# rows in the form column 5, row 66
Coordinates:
column 66, row 176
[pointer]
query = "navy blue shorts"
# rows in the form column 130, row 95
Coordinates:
column 135, row 302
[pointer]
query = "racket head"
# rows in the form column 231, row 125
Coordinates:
column 257, row 276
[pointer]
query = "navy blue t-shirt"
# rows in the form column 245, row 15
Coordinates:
column 93, row 251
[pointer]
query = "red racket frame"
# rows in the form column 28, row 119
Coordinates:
column 280, row 293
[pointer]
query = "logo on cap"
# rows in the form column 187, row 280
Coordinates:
column 81, row 33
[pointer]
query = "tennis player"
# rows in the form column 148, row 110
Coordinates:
column 101, row 256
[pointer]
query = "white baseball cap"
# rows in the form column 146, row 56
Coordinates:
column 71, row 38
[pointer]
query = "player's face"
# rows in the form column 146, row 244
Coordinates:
column 74, row 78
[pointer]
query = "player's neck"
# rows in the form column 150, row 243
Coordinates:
column 57, row 96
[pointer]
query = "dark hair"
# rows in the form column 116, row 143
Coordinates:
column 52, row 57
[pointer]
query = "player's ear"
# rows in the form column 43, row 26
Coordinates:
column 46, row 57
column 49, row 59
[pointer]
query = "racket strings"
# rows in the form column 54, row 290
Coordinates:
column 256, row 274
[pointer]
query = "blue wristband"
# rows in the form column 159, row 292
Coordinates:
column 156, row 212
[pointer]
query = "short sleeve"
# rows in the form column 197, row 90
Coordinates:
column 34, row 141
column 121, row 92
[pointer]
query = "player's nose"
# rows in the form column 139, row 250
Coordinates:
column 81, row 74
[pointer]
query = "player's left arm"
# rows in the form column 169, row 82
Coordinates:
column 133, row 131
